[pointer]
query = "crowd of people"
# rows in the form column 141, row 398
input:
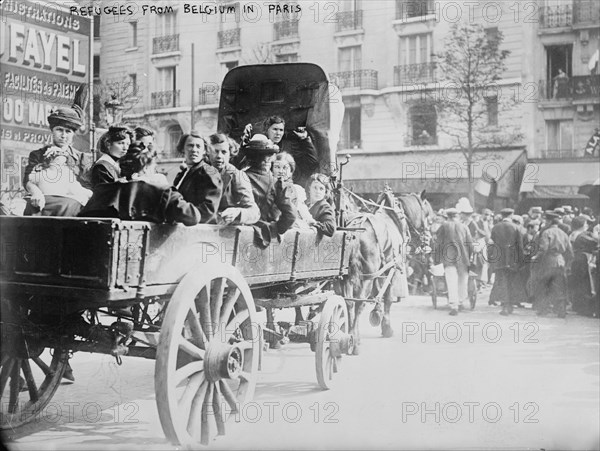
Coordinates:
column 221, row 181
column 546, row 258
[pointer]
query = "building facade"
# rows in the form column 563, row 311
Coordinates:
column 381, row 56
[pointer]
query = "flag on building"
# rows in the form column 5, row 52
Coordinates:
column 592, row 144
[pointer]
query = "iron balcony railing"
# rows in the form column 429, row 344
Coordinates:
column 586, row 12
column 228, row 38
column 363, row 79
column 414, row 73
column 562, row 153
column 556, row 16
column 349, row 20
column 208, row 96
column 165, row 44
column 578, row 87
column 407, row 9
column 164, row 99
column 286, row 29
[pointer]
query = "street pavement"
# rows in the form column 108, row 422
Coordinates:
column 475, row 381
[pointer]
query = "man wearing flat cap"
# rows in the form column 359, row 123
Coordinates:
column 506, row 258
column 549, row 267
column 64, row 122
column 274, row 199
column 453, row 248
column 560, row 212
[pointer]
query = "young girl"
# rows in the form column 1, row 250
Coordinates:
column 63, row 195
column 113, row 145
column 283, row 168
column 319, row 193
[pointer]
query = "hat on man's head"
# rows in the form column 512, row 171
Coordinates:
column 65, row 117
column 451, row 211
column 261, row 145
column 588, row 211
column 567, row 209
column 442, row 212
column 464, row 206
column 536, row 210
column 507, row 211
column 533, row 222
column 517, row 219
column 559, row 211
column 487, row 211
column 586, row 217
column 551, row 214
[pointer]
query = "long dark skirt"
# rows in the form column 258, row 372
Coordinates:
column 55, row 206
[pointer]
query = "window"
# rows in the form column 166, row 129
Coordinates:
column 351, row 134
column 174, row 133
column 166, row 79
column 413, row 8
column 133, row 88
column 559, row 135
column 491, row 104
column 287, row 58
column 559, row 70
column 351, row 5
column 230, row 18
column 423, row 122
column 416, row 49
column 133, row 34
column 97, row 26
column 166, row 24
column 350, row 58
column 492, row 33
column 96, row 66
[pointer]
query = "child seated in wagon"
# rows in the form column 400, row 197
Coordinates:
column 63, row 195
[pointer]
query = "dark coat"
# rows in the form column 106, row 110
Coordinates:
column 237, row 193
column 323, row 213
column 203, row 187
column 273, row 199
column 79, row 162
column 453, row 245
column 104, row 172
column 140, row 201
column 506, row 252
column 305, row 155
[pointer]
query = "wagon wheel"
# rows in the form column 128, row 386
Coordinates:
column 207, row 356
column 434, row 292
column 472, row 292
column 29, row 376
column 333, row 340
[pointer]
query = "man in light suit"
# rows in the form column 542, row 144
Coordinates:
column 199, row 182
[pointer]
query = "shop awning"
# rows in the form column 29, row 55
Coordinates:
column 559, row 179
column 435, row 171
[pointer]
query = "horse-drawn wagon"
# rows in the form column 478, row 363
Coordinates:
column 185, row 296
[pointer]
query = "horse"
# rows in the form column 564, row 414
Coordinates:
column 377, row 258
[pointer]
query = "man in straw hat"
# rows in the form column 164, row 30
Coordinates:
column 453, row 248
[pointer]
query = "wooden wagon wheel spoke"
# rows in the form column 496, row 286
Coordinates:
column 333, row 341
column 42, row 365
column 7, row 367
column 206, row 300
column 205, row 431
column 191, row 349
column 203, row 303
column 229, row 396
column 14, row 387
column 33, row 392
column 184, row 404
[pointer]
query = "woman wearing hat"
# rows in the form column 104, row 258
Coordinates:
column 274, row 199
column 63, row 124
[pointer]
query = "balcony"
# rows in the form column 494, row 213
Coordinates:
column 164, row 99
column 208, row 96
column 414, row 9
column 579, row 87
column 363, row 79
column 349, row 20
column 557, row 154
column 286, row 29
column 556, row 16
column 165, row 44
column 414, row 73
column 228, row 38
column 586, row 12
